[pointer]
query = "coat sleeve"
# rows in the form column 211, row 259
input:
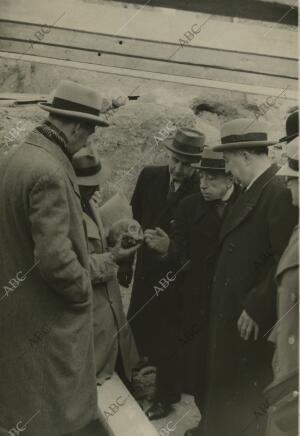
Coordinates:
column 49, row 216
column 137, row 197
column 125, row 267
column 102, row 267
column 260, row 303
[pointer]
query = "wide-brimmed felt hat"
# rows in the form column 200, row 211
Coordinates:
column 291, row 127
column 76, row 101
column 187, row 143
column 211, row 160
column 291, row 168
column 87, row 167
column 244, row 133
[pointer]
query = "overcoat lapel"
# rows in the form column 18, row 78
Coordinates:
column 246, row 202
column 91, row 227
column 205, row 222
column 200, row 210
column 97, row 216
column 160, row 189
column 169, row 207
column 39, row 140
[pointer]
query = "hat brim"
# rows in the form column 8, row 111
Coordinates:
column 243, row 145
column 286, row 171
column 192, row 157
column 80, row 115
column 199, row 167
column 288, row 137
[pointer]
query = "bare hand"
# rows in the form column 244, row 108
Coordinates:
column 97, row 199
column 157, row 240
column 246, row 326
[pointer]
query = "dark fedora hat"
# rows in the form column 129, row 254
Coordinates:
column 291, row 127
column 211, row 160
column 76, row 101
column 187, row 143
column 244, row 133
column 291, row 168
column 87, row 167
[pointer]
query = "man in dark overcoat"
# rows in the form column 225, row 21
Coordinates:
column 47, row 367
column 283, row 392
column 243, row 305
column 194, row 242
column 158, row 192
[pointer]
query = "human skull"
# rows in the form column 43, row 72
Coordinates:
column 127, row 232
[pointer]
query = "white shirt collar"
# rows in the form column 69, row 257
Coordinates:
column 256, row 177
column 176, row 184
column 228, row 193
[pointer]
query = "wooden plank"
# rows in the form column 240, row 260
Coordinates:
column 150, row 66
column 106, row 45
column 190, row 81
column 119, row 411
column 19, row 97
column 157, row 24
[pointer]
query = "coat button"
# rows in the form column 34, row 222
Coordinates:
column 291, row 340
column 226, row 283
column 293, row 297
column 231, row 246
column 295, row 394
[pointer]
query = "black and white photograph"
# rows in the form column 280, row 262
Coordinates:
column 149, row 212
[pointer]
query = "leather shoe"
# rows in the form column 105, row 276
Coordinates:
column 195, row 431
column 158, row 410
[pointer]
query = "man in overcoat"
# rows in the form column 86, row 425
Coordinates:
column 157, row 194
column 283, row 392
column 243, row 305
column 115, row 348
column 194, row 242
column 47, row 368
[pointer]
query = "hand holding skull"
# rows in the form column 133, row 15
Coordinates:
column 124, row 238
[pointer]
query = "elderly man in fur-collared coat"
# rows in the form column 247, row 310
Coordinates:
column 47, row 369
column 243, row 306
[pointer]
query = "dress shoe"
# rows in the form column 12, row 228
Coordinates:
column 195, row 431
column 158, row 410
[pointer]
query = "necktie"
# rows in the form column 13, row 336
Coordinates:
column 220, row 207
column 171, row 192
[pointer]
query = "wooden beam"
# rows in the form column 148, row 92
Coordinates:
column 110, row 47
column 205, row 83
column 150, row 56
column 120, row 412
column 150, row 66
column 153, row 24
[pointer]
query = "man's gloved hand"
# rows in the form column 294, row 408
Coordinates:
column 125, row 273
